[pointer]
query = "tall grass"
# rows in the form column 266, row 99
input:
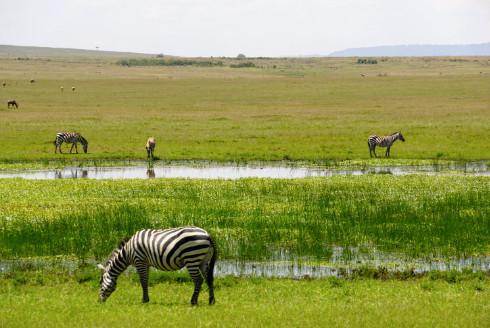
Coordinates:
column 253, row 219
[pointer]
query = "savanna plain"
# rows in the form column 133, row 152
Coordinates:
column 313, row 111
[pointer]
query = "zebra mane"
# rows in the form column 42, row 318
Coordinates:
column 117, row 249
column 123, row 242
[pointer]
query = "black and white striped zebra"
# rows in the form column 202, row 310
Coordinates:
column 167, row 250
column 383, row 141
column 70, row 137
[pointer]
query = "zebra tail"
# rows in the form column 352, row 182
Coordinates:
column 210, row 274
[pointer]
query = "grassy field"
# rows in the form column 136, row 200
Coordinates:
column 252, row 219
column 310, row 110
column 33, row 300
column 298, row 109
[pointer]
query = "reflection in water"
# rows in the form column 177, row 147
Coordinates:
column 150, row 173
column 223, row 171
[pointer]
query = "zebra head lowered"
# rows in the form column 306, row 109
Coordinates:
column 116, row 263
column 84, row 143
column 167, row 250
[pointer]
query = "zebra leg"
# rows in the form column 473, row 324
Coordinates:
column 209, row 269
column 197, row 277
column 374, row 151
column 142, row 269
column 71, row 149
column 76, row 148
column 387, row 152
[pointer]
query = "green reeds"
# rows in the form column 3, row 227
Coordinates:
column 254, row 219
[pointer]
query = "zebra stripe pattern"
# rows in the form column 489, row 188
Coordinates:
column 383, row 141
column 70, row 137
column 166, row 250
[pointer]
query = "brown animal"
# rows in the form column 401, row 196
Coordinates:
column 12, row 103
column 32, row 81
column 73, row 89
column 150, row 146
column 4, row 84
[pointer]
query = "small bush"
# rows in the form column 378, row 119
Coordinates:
column 244, row 64
column 366, row 61
column 168, row 62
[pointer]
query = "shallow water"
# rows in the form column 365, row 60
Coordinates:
column 282, row 266
column 237, row 171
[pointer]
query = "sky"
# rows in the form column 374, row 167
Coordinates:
column 250, row 27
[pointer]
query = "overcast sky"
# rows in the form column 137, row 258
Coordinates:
column 252, row 27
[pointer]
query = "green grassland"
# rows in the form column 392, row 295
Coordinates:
column 296, row 109
column 33, row 300
column 310, row 110
column 252, row 219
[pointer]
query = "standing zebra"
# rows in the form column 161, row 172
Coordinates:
column 384, row 141
column 70, row 137
column 167, row 250
column 150, row 146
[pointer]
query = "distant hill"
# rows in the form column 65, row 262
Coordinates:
column 482, row 49
column 22, row 51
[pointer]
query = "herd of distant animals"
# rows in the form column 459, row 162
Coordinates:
column 74, row 137
column 12, row 103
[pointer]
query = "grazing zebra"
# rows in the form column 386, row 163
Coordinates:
column 385, row 141
column 150, row 146
column 167, row 250
column 70, row 137
column 12, row 103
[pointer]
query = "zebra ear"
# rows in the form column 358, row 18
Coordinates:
column 100, row 266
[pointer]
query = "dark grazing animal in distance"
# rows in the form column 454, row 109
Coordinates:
column 12, row 103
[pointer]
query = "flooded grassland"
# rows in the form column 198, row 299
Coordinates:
column 339, row 222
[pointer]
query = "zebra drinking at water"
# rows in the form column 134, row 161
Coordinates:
column 384, row 141
column 70, row 137
column 150, row 146
column 167, row 250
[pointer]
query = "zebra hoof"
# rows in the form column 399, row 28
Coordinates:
column 146, row 300
column 211, row 301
